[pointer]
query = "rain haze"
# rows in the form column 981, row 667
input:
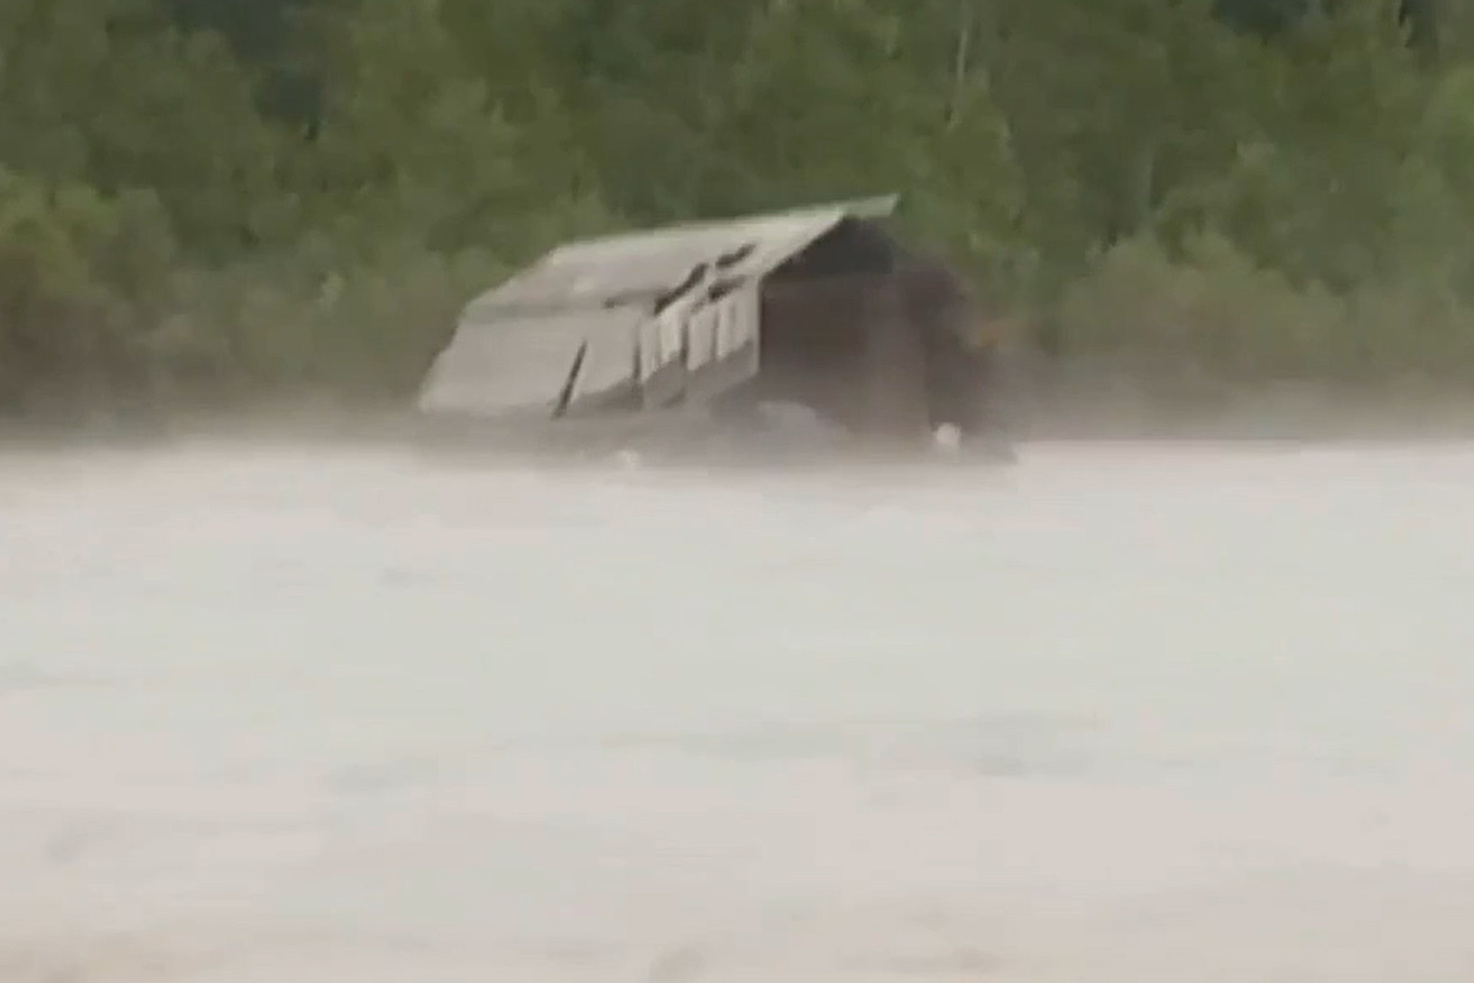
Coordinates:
column 1121, row 713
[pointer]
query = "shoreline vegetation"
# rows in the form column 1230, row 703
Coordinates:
column 1217, row 210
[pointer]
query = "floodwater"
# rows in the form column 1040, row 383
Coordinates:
column 1120, row 714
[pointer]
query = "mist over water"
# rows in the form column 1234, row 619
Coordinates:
column 1147, row 714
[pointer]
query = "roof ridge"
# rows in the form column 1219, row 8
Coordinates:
column 876, row 206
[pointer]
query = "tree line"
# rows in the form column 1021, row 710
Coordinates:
column 216, row 199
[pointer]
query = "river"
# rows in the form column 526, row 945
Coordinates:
column 1120, row 714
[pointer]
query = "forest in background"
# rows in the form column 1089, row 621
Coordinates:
column 219, row 200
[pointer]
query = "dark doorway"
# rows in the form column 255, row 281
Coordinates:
column 868, row 336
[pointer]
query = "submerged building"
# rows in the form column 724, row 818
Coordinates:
column 822, row 306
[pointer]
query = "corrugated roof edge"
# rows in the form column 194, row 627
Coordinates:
column 495, row 304
column 878, row 206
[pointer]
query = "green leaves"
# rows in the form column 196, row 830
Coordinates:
column 76, row 272
column 186, row 178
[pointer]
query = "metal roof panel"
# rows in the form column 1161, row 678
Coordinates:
column 594, row 272
column 519, row 364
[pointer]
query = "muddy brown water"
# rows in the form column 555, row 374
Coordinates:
column 1119, row 714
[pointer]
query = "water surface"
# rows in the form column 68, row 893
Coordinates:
column 1122, row 713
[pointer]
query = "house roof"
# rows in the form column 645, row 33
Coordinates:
column 635, row 266
column 523, row 362
column 516, row 345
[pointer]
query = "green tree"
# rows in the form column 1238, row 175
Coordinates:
column 82, row 280
column 107, row 93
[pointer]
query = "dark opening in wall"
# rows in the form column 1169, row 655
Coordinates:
column 869, row 337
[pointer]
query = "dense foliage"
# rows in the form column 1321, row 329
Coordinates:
column 227, row 197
